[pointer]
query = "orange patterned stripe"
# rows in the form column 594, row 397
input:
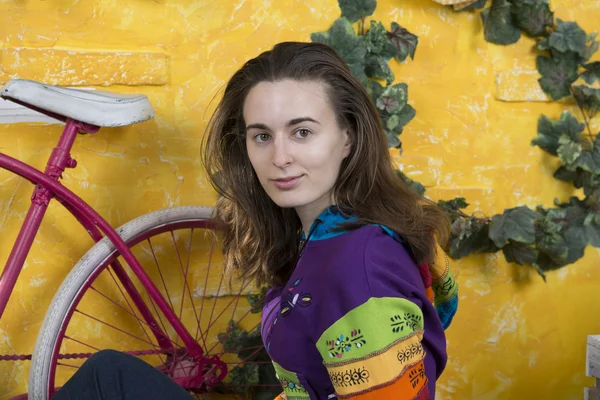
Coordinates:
column 409, row 386
column 364, row 374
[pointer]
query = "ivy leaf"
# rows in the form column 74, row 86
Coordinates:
column 374, row 89
column 566, row 175
column 392, row 123
column 474, row 6
column 555, row 247
column 550, row 131
column 416, row 186
column 354, row 10
column 393, row 98
column 576, row 240
column 456, row 204
column 498, row 26
column 566, row 241
column 568, row 36
column 378, row 43
column 592, row 46
column 589, row 160
column 470, row 236
column 392, row 139
column 378, row 68
column 257, row 301
column 543, row 45
column 351, row 48
column 534, row 17
column 247, row 374
column 516, row 224
column 453, row 207
column 232, row 338
column 520, row 253
column 558, row 73
column 404, row 42
column 406, row 114
column 592, row 228
column 592, row 72
column 395, row 123
column 568, row 151
column 579, row 178
column 588, row 98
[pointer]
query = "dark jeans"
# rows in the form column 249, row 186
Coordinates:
column 111, row 375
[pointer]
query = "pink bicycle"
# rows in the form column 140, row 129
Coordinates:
column 151, row 288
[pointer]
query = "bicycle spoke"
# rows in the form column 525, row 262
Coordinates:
column 204, row 290
column 225, row 309
column 140, row 321
column 189, row 257
column 118, row 329
column 110, row 272
column 162, row 278
column 68, row 365
column 210, row 320
column 186, row 286
column 84, row 344
column 158, row 315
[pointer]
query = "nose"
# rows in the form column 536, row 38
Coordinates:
column 282, row 156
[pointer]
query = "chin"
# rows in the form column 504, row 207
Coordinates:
column 288, row 200
column 287, row 203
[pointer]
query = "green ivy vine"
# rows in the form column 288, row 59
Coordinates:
column 544, row 238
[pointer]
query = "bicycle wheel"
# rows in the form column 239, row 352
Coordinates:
column 92, row 310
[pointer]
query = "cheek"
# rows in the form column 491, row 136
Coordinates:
column 325, row 161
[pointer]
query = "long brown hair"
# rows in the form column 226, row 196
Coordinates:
column 261, row 238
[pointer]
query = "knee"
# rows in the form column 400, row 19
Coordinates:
column 107, row 357
column 111, row 360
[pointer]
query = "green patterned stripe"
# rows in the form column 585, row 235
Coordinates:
column 290, row 383
column 444, row 289
column 370, row 327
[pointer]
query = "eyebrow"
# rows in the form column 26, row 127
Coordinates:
column 291, row 122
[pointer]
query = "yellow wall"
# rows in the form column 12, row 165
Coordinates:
column 514, row 336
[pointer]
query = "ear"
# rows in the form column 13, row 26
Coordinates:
column 347, row 143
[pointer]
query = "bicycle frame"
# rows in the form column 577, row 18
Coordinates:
column 49, row 187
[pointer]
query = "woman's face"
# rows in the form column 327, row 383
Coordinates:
column 294, row 143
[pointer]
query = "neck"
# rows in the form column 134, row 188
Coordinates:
column 309, row 212
column 308, row 215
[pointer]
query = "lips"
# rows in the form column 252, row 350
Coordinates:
column 287, row 183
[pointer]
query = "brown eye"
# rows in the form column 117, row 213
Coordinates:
column 262, row 137
column 302, row 133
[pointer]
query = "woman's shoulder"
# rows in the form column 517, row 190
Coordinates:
column 372, row 262
column 358, row 258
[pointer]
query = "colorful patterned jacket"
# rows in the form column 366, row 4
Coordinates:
column 358, row 319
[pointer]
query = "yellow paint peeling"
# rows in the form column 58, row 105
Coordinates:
column 75, row 68
column 519, row 85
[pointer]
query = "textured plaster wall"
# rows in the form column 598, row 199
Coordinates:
column 477, row 104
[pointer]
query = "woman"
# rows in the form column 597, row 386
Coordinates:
column 314, row 209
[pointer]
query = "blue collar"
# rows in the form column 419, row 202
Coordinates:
column 327, row 225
